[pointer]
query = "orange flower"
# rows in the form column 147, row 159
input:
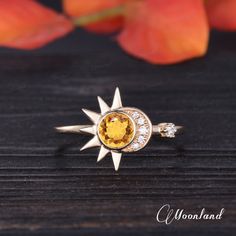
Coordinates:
column 160, row 31
column 29, row 25
column 78, row 8
column 165, row 31
column 222, row 14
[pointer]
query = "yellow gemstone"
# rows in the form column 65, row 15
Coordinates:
column 116, row 130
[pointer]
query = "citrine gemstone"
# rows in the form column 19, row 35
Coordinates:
column 116, row 130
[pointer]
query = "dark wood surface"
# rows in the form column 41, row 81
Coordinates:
column 48, row 187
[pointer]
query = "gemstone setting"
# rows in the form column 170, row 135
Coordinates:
column 167, row 130
column 116, row 130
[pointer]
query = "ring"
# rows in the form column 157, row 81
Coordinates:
column 119, row 129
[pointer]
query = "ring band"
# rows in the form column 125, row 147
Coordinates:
column 163, row 129
column 119, row 129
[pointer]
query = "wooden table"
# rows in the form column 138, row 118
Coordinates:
column 48, row 187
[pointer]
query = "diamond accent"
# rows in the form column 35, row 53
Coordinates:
column 141, row 139
column 168, row 130
column 135, row 146
column 140, row 121
column 135, row 115
column 143, row 130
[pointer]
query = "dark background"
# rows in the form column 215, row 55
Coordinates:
column 48, row 187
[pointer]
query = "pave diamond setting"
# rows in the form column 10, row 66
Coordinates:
column 143, row 127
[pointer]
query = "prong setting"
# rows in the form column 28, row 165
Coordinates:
column 167, row 130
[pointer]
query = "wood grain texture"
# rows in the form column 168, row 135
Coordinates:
column 48, row 187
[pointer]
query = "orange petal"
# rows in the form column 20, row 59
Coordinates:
column 78, row 8
column 165, row 31
column 222, row 14
column 29, row 25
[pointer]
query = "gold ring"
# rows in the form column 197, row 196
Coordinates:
column 119, row 129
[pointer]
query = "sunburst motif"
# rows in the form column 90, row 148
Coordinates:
column 95, row 118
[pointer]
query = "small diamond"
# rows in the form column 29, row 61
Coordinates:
column 140, row 121
column 143, row 130
column 141, row 139
column 135, row 115
column 168, row 130
column 135, row 145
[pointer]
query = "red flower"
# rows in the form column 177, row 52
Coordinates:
column 29, row 25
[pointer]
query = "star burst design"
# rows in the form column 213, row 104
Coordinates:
column 95, row 118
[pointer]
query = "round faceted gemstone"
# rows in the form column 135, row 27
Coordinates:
column 116, row 130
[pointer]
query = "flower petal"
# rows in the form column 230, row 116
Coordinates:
column 166, row 31
column 78, row 8
column 222, row 14
column 29, row 25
